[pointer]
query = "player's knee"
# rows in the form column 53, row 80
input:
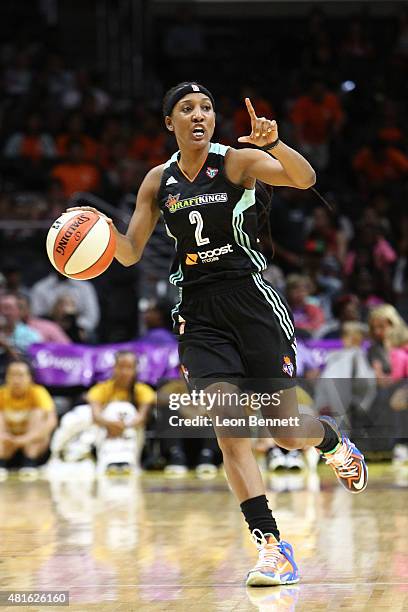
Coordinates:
column 289, row 443
column 234, row 447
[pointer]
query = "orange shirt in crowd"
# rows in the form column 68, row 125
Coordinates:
column 89, row 144
column 390, row 134
column 391, row 168
column 32, row 147
column 316, row 120
column 242, row 122
column 149, row 149
column 77, row 177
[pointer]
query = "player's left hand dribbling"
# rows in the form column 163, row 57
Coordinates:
column 263, row 131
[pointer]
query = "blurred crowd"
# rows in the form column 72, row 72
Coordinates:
column 339, row 96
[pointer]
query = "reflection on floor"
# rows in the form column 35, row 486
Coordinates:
column 147, row 543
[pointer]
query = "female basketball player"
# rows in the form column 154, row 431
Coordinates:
column 231, row 323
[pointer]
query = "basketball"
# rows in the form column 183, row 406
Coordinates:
column 81, row 244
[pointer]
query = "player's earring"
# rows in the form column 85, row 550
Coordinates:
column 169, row 126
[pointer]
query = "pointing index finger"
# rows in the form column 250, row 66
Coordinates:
column 250, row 109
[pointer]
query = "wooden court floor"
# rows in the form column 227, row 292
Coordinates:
column 149, row 543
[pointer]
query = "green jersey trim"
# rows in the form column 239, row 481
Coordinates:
column 241, row 237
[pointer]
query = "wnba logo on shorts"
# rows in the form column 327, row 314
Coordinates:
column 288, row 366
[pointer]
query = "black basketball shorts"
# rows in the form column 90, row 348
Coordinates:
column 239, row 329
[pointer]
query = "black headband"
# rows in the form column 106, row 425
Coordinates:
column 183, row 91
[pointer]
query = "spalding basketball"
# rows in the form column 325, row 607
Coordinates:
column 81, row 244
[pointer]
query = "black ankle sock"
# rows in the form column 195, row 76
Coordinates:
column 330, row 440
column 259, row 516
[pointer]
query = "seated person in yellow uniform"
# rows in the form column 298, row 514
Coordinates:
column 27, row 419
column 120, row 406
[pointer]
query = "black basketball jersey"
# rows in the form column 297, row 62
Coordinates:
column 213, row 222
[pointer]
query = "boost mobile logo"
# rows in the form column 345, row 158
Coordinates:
column 208, row 256
column 191, row 259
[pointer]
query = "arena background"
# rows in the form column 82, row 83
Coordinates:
column 80, row 123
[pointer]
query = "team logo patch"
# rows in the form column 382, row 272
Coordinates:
column 211, row 172
column 288, row 366
column 172, row 200
column 191, row 259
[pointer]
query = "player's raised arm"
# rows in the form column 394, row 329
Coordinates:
column 129, row 247
column 289, row 168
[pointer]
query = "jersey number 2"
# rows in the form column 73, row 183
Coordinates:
column 195, row 217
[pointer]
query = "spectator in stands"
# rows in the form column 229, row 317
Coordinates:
column 58, row 78
column 119, row 405
column 288, row 219
column 370, row 250
column 111, row 154
column 75, row 130
column 32, row 143
column 365, row 285
column 321, row 54
column 77, row 174
column 371, row 217
column 345, row 309
column 65, row 314
column 7, row 351
column 378, row 164
column 401, row 46
column 205, row 453
column 388, row 355
column 122, row 183
column 112, row 132
column 48, row 330
column 317, row 118
column 399, row 399
column 17, row 77
column 356, row 47
column 390, row 129
column 11, row 271
column 56, row 200
column 325, row 236
column 309, row 318
column 341, row 397
column 27, row 419
column 158, row 322
column 388, row 352
column 225, row 115
column 382, row 203
column 46, row 292
column 122, row 386
column 150, row 144
column 16, row 333
column 400, row 280
column 85, row 93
